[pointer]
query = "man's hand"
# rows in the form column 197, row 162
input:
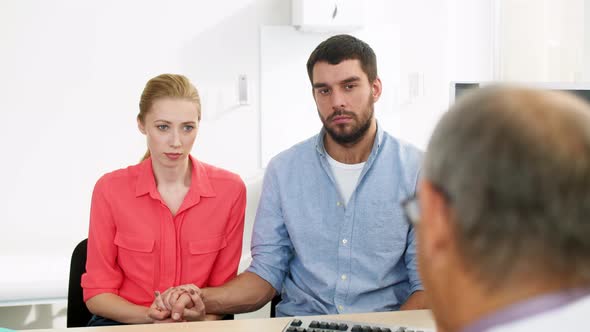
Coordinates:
column 416, row 301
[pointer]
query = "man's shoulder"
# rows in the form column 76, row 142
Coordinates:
column 407, row 153
column 402, row 161
column 299, row 152
column 400, row 144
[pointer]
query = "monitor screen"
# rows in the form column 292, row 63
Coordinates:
column 582, row 90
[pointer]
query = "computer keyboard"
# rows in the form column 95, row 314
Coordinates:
column 301, row 324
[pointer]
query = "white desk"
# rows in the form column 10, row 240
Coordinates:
column 415, row 318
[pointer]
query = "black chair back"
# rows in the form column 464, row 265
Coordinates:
column 78, row 313
column 273, row 303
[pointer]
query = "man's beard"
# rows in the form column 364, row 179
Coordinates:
column 356, row 133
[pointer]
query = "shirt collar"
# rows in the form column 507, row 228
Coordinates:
column 321, row 149
column 200, row 184
column 527, row 308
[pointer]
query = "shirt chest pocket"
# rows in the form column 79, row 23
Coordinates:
column 387, row 229
column 135, row 254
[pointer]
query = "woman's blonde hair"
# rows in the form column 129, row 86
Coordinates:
column 166, row 86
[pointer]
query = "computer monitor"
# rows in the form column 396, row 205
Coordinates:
column 580, row 89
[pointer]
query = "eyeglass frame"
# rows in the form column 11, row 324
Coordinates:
column 411, row 206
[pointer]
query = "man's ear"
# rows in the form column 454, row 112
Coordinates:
column 436, row 220
column 140, row 126
column 376, row 89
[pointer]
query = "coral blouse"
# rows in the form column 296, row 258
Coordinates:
column 136, row 245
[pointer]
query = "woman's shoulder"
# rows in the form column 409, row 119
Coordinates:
column 121, row 175
column 218, row 174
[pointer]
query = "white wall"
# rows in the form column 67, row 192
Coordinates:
column 550, row 47
column 441, row 42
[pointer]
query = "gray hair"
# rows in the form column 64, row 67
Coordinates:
column 515, row 166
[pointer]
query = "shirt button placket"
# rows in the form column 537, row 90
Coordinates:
column 343, row 257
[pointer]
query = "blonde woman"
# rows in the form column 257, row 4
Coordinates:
column 169, row 220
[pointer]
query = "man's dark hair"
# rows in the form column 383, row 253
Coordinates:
column 344, row 47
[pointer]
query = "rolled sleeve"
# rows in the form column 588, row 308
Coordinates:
column 103, row 275
column 226, row 264
column 271, row 246
column 411, row 261
column 410, row 257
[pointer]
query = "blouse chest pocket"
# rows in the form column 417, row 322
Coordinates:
column 207, row 246
column 201, row 258
column 134, row 243
column 135, row 254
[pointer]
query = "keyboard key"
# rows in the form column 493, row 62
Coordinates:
column 296, row 322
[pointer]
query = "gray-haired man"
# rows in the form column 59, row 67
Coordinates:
column 504, row 213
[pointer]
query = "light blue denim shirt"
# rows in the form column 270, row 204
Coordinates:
column 324, row 257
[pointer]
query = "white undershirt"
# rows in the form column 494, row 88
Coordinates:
column 346, row 175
